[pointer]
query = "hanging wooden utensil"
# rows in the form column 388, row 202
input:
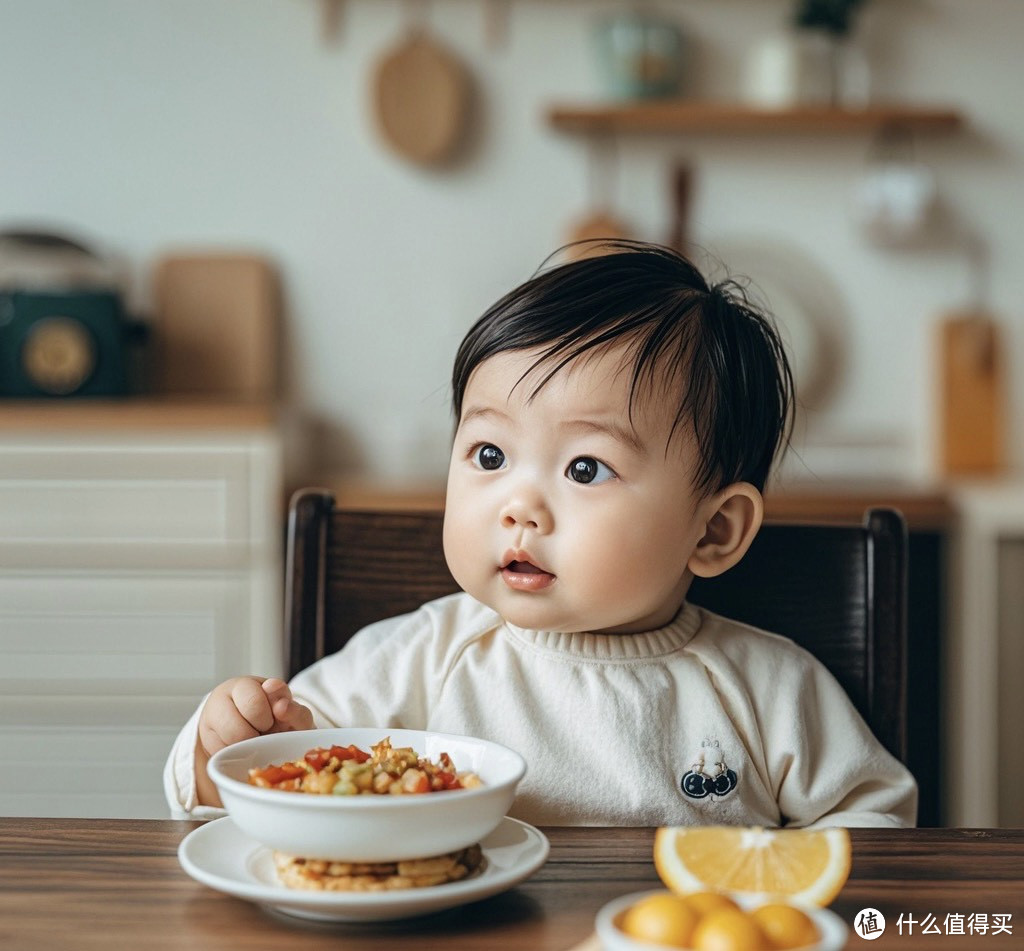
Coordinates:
column 682, row 193
column 600, row 223
column 597, row 225
column 331, row 17
column 496, row 23
column 421, row 97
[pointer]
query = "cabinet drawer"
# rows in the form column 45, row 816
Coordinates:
column 86, row 505
column 92, row 634
column 101, row 771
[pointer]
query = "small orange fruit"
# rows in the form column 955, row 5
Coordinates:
column 662, row 918
column 728, row 930
column 785, row 927
column 705, row 902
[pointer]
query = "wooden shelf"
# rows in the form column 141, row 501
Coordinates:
column 684, row 115
column 925, row 507
column 165, row 413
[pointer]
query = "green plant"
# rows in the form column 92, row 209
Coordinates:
column 833, row 16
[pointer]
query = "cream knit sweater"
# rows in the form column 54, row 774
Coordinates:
column 703, row 721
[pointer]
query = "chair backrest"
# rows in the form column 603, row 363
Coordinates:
column 837, row 590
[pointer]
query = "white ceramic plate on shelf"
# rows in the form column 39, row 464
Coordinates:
column 803, row 298
column 219, row 855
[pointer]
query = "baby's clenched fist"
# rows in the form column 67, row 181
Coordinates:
column 244, row 707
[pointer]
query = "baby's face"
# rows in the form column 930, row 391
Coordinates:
column 562, row 513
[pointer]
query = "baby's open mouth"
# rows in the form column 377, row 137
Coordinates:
column 526, row 576
column 523, row 567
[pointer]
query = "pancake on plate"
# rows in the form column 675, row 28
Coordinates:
column 323, row 875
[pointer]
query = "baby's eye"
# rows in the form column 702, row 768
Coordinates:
column 586, row 469
column 488, row 457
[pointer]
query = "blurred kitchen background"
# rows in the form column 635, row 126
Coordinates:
column 240, row 241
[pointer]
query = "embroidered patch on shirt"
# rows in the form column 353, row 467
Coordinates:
column 709, row 775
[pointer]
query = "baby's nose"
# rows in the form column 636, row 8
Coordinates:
column 527, row 510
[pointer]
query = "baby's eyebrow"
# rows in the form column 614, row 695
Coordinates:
column 483, row 412
column 603, row 427
column 607, row 427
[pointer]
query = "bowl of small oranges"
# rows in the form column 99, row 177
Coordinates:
column 714, row 921
column 731, row 888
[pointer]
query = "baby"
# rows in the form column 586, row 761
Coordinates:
column 617, row 419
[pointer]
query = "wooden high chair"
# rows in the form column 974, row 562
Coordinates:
column 837, row 590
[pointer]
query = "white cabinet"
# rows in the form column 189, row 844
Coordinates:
column 137, row 569
column 984, row 657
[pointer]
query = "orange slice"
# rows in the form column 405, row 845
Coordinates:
column 806, row 866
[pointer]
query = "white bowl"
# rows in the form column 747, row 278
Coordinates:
column 830, row 926
column 367, row 828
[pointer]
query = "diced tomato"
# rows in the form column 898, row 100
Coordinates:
column 318, row 758
column 349, row 752
column 448, row 780
column 278, row 774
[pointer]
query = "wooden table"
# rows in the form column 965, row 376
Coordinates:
column 74, row 884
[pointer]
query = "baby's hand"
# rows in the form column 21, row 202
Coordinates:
column 244, row 707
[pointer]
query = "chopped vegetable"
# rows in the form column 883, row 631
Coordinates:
column 350, row 771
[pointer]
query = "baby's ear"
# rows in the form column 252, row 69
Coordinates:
column 733, row 516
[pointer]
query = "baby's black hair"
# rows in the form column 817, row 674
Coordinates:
column 735, row 382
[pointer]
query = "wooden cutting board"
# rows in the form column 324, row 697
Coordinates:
column 971, row 401
column 216, row 326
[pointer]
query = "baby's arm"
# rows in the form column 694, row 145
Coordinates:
column 236, row 710
column 838, row 773
column 383, row 676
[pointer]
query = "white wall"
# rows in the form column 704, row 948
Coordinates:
column 156, row 124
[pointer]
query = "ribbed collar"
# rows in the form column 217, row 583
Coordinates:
column 585, row 645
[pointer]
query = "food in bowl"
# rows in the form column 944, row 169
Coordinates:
column 712, row 921
column 351, row 771
column 708, row 920
column 377, row 828
column 321, row 875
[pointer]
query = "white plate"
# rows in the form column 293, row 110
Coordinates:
column 805, row 302
column 218, row 854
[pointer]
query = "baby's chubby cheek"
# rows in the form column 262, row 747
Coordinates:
column 623, row 580
column 469, row 557
column 639, row 570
